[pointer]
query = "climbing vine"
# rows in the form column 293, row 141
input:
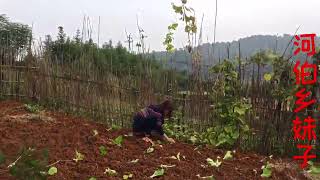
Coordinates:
column 187, row 16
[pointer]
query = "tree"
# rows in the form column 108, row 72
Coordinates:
column 13, row 36
column 61, row 35
column 77, row 37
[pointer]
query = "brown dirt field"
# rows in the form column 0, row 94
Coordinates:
column 63, row 134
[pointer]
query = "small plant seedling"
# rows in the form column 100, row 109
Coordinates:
column 110, row 172
column 157, row 173
column 92, row 178
column 150, row 150
column 79, row 156
column 95, row 132
column 213, row 163
column 206, row 177
column 313, row 169
column 227, row 156
column 193, row 139
column 103, row 150
column 134, row 161
column 176, row 157
column 32, row 108
column 266, row 170
column 127, row 176
column 52, row 171
column 118, row 141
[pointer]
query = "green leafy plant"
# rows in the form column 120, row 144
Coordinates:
column 127, row 176
column 110, row 172
column 78, row 156
column 213, row 163
column 186, row 15
column 32, row 108
column 150, row 150
column 177, row 157
column 52, row 171
column 313, row 169
column 92, row 178
column 229, row 108
column 228, row 155
column 266, row 170
column 30, row 164
column 118, row 141
column 157, row 173
column 103, row 150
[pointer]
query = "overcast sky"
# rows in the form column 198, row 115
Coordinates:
column 236, row 18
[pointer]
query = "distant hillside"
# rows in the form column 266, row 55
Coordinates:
column 248, row 46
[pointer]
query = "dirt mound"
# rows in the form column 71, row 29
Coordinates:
column 63, row 136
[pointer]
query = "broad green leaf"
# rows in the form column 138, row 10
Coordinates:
column 52, row 171
column 93, row 178
column 267, row 76
column 216, row 163
column 266, row 171
column 79, row 156
column 150, row 150
column 118, row 141
column 110, row 172
column 103, row 150
column 314, row 170
column 157, row 173
column 228, row 155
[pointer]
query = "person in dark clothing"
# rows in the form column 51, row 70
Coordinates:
column 149, row 121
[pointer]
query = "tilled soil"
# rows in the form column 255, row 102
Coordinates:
column 62, row 135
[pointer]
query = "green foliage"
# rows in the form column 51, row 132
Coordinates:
column 32, row 108
column 103, row 150
column 229, row 109
column 313, row 169
column 118, row 141
column 228, row 155
column 150, row 150
column 266, row 170
column 30, row 165
column 110, row 172
column 213, row 163
column 14, row 35
column 157, row 173
column 92, row 178
column 177, row 157
column 186, row 15
column 52, row 171
column 78, row 156
column 127, row 176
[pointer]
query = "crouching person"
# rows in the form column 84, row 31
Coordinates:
column 149, row 122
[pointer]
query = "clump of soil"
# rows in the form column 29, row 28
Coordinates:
column 62, row 135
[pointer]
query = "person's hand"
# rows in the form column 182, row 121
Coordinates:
column 146, row 139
